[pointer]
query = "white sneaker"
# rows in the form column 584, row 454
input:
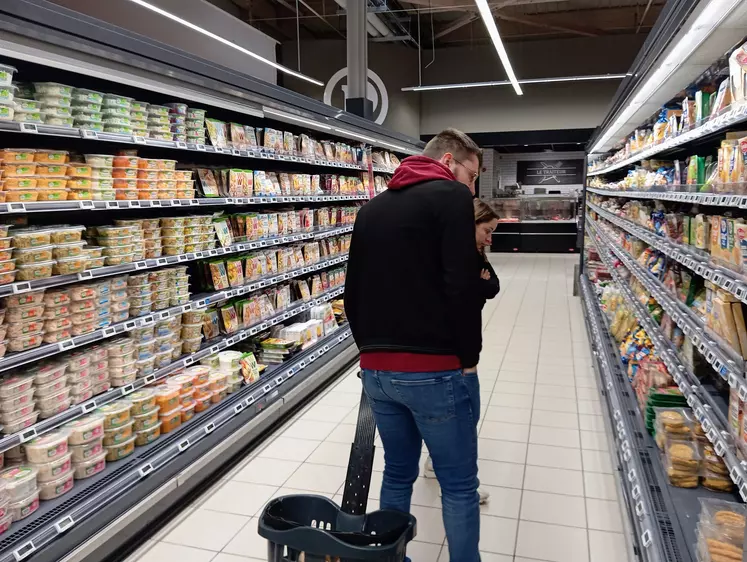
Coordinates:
column 428, row 472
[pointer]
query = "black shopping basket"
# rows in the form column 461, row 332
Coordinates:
column 306, row 528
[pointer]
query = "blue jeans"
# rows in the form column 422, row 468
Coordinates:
column 441, row 408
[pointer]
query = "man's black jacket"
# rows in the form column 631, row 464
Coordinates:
column 411, row 282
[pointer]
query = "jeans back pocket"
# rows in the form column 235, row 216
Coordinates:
column 430, row 400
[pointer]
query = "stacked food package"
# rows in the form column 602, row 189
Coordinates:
column 720, row 531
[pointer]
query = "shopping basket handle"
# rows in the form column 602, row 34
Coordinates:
column 360, row 465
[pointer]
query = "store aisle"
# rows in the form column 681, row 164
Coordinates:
column 544, row 455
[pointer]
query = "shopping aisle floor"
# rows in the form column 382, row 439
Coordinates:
column 544, row 456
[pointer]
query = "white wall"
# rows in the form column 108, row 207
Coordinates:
column 135, row 18
column 548, row 106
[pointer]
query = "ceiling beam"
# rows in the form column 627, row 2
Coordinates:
column 470, row 17
column 587, row 32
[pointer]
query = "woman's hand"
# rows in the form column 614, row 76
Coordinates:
column 485, row 274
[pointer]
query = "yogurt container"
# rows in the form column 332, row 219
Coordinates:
column 88, row 468
column 20, row 481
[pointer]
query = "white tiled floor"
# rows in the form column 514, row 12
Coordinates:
column 543, row 452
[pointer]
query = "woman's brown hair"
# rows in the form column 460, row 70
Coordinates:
column 483, row 212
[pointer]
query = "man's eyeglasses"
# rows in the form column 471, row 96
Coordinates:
column 474, row 175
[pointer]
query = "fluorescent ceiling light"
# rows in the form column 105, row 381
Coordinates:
column 291, row 117
column 489, row 21
column 212, row 35
column 705, row 23
column 507, row 82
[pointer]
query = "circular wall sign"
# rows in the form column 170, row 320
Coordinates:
column 375, row 91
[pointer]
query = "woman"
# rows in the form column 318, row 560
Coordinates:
column 485, row 222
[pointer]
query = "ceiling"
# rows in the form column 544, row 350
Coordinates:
column 451, row 22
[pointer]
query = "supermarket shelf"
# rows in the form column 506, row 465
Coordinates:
column 705, row 409
column 718, row 354
column 717, row 199
column 209, row 348
column 256, row 154
column 626, row 423
column 737, row 113
column 197, row 303
column 56, row 518
column 728, row 280
column 98, row 273
column 89, row 205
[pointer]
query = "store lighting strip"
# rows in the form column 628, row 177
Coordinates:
column 714, row 12
column 295, row 118
column 588, row 78
column 220, row 39
column 489, row 21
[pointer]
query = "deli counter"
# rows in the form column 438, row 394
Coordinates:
column 536, row 223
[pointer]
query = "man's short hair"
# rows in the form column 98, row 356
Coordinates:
column 455, row 142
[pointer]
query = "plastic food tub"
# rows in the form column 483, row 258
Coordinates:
column 191, row 345
column 89, row 467
column 167, row 397
column 118, row 435
column 188, row 412
column 145, row 366
column 20, row 481
column 120, row 450
column 20, row 329
column 56, row 488
column 18, row 401
column 87, row 450
column 38, row 254
column 171, row 420
column 47, row 447
column 33, row 271
column 115, row 414
column 14, row 415
column 13, row 386
column 124, row 379
column 24, row 507
column 146, row 436
column 147, row 419
column 45, row 374
column 29, row 238
column 85, row 429
column 53, row 400
column 219, row 394
column 52, row 470
column 142, row 401
column 202, row 404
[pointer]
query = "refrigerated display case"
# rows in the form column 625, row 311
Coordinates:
column 535, row 223
column 663, row 210
column 203, row 239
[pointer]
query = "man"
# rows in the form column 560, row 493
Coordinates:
column 411, row 299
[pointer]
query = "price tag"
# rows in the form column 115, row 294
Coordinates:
column 200, row 148
column 88, row 134
column 181, row 145
column 138, row 139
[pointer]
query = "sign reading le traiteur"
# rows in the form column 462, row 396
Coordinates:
column 550, row 172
